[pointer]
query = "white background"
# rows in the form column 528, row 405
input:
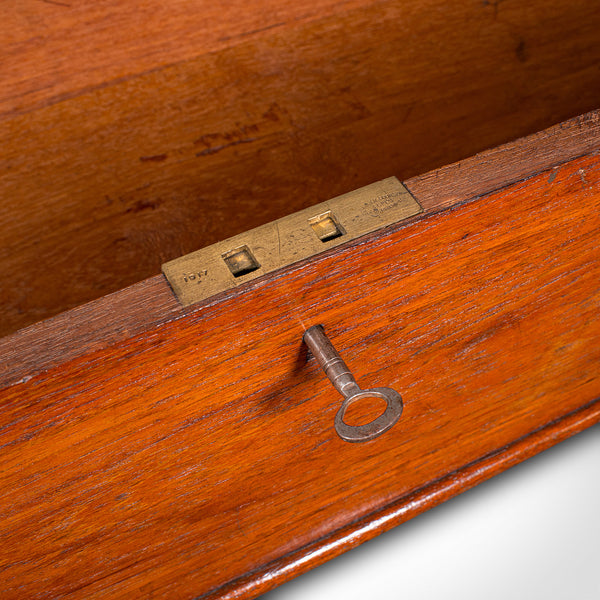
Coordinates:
column 532, row 532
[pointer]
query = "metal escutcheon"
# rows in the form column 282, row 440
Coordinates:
column 342, row 379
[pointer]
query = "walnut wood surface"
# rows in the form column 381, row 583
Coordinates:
column 200, row 458
column 134, row 132
column 146, row 305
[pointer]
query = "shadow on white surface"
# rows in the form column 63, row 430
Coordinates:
column 532, row 532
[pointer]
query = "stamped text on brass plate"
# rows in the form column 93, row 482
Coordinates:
column 225, row 265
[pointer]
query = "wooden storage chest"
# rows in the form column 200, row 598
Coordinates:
column 151, row 449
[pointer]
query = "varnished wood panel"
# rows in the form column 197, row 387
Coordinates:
column 176, row 462
column 407, row 507
column 148, row 304
column 134, row 132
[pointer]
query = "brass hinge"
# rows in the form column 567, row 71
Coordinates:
column 232, row 262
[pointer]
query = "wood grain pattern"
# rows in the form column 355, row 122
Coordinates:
column 279, row 571
column 136, row 132
column 508, row 163
column 148, row 304
column 177, row 461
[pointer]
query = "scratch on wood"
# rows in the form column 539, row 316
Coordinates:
column 143, row 205
column 521, row 51
column 154, row 158
column 408, row 112
column 56, row 3
column 249, row 33
column 215, row 149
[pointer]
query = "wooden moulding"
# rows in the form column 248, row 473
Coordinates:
column 191, row 452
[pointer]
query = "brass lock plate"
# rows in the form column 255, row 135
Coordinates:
column 232, row 262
